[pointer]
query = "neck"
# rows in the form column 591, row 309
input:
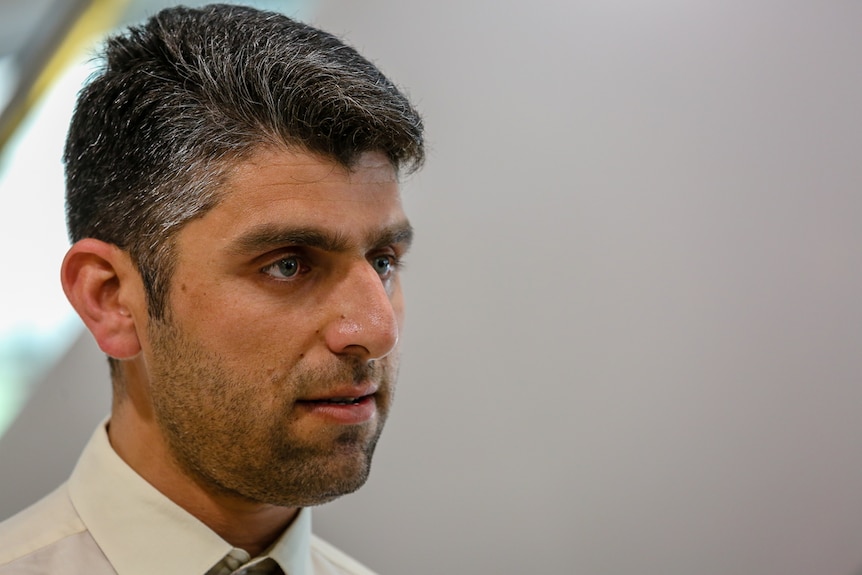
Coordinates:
column 245, row 524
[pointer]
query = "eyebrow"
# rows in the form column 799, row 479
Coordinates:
column 270, row 236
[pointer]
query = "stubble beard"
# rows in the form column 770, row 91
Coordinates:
column 220, row 433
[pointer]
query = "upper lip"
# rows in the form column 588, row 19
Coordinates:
column 344, row 392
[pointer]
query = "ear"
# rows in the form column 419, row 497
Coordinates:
column 104, row 287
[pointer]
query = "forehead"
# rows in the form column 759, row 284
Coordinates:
column 275, row 187
column 301, row 166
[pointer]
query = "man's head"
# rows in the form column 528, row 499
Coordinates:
column 194, row 91
column 232, row 192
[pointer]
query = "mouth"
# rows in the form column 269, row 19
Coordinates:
column 344, row 394
column 340, row 408
column 339, row 400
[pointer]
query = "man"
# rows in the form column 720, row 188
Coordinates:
column 232, row 196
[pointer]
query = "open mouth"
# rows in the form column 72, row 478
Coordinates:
column 338, row 400
column 341, row 410
column 342, row 400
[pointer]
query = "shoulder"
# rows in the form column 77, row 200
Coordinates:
column 328, row 559
column 41, row 525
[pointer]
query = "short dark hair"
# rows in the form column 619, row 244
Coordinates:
column 191, row 92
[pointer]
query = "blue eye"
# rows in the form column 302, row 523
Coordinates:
column 284, row 268
column 383, row 264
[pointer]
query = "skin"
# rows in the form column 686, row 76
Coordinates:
column 284, row 295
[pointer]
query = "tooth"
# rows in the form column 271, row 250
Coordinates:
column 342, row 401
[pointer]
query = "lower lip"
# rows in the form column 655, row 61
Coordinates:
column 344, row 414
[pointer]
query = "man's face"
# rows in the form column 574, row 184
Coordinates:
column 272, row 374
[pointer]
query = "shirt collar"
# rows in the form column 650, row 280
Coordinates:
column 141, row 531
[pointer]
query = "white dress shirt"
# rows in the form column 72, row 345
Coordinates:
column 107, row 520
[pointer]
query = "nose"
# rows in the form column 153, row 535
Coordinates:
column 365, row 315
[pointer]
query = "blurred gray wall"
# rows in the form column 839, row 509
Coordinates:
column 634, row 333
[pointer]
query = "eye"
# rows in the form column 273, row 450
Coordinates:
column 384, row 265
column 284, row 268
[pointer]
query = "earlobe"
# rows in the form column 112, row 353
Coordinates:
column 101, row 283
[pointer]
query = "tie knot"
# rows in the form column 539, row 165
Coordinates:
column 237, row 563
column 267, row 566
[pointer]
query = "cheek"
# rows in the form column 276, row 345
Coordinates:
column 398, row 308
column 264, row 345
